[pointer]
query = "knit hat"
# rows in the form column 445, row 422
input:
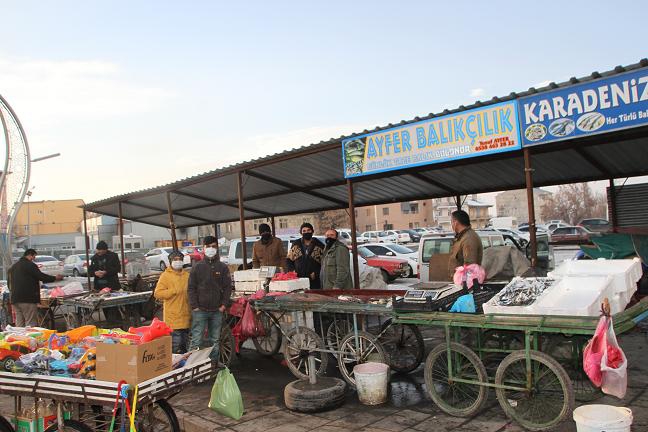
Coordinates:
column 306, row 225
column 102, row 245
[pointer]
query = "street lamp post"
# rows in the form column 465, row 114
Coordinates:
column 29, row 194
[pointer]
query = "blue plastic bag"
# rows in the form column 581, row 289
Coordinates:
column 464, row 304
column 225, row 396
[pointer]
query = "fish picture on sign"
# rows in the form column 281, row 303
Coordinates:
column 354, row 155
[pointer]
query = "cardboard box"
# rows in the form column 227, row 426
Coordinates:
column 134, row 363
column 439, row 267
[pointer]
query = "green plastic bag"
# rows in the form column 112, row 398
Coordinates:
column 225, row 396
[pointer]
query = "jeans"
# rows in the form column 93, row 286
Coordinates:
column 202, row 321
column 179, row 340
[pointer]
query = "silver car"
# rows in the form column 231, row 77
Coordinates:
column 75, row 265
column 49, row 265
column 158, row 258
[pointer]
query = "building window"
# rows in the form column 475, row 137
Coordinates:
column 416, row 224
column 409, row 208
column 411, row 225
column 368, row 227
column 367, row 212
column 385, row 212
column 283, row 223
column 387, row 226
column 228, row 227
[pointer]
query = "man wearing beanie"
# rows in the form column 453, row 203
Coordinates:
column 105, row 268
column 305, row 256
column 269, row 251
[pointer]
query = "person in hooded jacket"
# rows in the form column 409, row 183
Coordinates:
column 269, row 251
column 172, row 289
column 336, row 264
column 305, row 256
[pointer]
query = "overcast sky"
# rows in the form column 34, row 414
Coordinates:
column 136, row 94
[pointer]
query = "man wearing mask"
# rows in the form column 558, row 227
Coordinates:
column 305, row 256
column 24, row 279
column 336, row 267
column 172, row 289
column 269, row 251
column 467, row 247
column 210, row 287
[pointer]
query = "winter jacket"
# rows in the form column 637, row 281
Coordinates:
column 306, row 261
column 24, row 279
column 466, row 249
column 108, row 262
column 336, row 267
column 173, row 289
column 271, row 254
column 210, row 285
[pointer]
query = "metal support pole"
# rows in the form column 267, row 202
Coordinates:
column 242, row 219
column 528, row 171
column 458, row 201
column 613, row 205
column 216, row 234
column 121, row 239
column 87, row 246
column 272, row 225
column 174, row 239
column 354, row 242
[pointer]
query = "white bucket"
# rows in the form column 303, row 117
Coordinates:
column 602, row 418
column 371, row 380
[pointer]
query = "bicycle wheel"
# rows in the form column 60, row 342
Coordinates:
column 459, row 399
column 404, row 346
column 336, row 332
column 355, row 350
column 301, row 343
column 546, row 395
column 158, row 417
column 270, row 344
column 69, row 425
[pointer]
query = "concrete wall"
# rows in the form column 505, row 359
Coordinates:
column 514, row 203
column 410, row 214
column 48, row 217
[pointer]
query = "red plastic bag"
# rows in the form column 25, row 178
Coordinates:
column 614, row 366
column 250, row 325
column 594, row 351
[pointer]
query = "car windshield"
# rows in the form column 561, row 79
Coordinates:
column 383, row 234
column 400, row 249
column 365, row 253
column 44, row 258
column 168, row 250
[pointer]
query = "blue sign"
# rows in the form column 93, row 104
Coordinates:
column 600, row 106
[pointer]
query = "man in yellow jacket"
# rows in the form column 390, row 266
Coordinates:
column 172, row 289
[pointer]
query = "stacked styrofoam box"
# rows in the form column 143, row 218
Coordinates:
column 292, row 320
column 491, row 306
column 248, row 280
column 290, row 285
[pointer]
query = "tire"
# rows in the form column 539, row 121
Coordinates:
column 444, row 392
column 158, row 415
column 385, row 276
column 410, row 272
column 7, row 364
column 75, row 273
column 5, row 426
column 70, row 425
column 270, row 344
column 352, row 353
column 551, row 399
column 301, row 342
column 162, row 266
column 327, row 393
column 404, row 346
column 227, row 346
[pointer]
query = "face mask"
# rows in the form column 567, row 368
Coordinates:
column 266, row 237
column 210, row 252
column 307, row 236
column 329, row 241
column 177, row 265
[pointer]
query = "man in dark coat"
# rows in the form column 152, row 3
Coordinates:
column 24, row 284
column 105, row 268
column 305, row 256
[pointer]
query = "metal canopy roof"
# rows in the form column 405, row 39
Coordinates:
column 311, row 178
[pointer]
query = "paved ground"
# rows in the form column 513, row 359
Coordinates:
column 409, row 409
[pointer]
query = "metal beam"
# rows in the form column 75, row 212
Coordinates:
column 121, row 239
column 213, row 202
column 593, row 161
column 354, row 241
column 160, row 212
column 613, row 205
column 239, row 184
column 174, row 239
column 528, row 173
column 293, row 188
column 87, row 246
column 434, row 183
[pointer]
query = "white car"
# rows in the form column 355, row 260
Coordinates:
column 49, row 265
column 397, row 251
column 158, row 258
column 232, row 254
column 392, row 236
column 368, row 237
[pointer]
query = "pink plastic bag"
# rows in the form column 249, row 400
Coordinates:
column 250, row 324
column 593, row 353
column 614, row 379
column 468, row 273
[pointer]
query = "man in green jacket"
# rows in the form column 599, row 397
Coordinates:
column 336, row 266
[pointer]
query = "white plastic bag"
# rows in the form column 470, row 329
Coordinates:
column 615, row 380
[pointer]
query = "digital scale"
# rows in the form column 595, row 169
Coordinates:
column 432, row 293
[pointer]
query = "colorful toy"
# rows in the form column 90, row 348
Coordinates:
column 151, row 332
column 8, row 359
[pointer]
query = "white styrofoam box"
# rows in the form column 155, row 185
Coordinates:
column 251, row 275
column 491, row 307
column 290, row 285
column 248, row 286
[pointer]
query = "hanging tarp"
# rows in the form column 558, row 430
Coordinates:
column 618, row 246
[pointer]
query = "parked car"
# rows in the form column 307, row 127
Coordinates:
column 521, row 238
column 136, row 263
column 552, row 226
column 539, row 229
column 596, row 225
column 422, row 231
column 414, row 235
column 368, row 237
column 49, row 265
column 195, row 254
column 570, row 234
column 232, row 254
column 75, row 265
column 390, row 268
column 393, row 236
column 158, row 258
column 398, row 251
column 344, row 235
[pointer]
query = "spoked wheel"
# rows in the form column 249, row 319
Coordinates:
column 355, row 350
column 5, row 426
column 301, row 343
column 505, row 340
column 270, row 344
column 404, row 346
column 336, row 332
column 568, row 351
column 543, row 398
column 68, row 426
column 443, row 369
column 227, row 346
column 158, row 417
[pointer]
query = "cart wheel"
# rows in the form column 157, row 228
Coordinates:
column 506, row 340
column 548, row 398
column 568, row 351
column 336, row 332
column 270, row 344
column 69, row 425
column 404, row 346
column 5, row 426
column 300, row 343
column 158, row 417
column 456, row 398
column 227, row 346
column 354, row 351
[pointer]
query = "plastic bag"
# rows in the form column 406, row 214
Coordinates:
column 464, row 304
column 250, row 325
column 593, row 353
column 225, row 396
column 469, row 273
column 614, row 366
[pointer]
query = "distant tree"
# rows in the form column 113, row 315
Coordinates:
column 574, row 202
column 331, row 219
